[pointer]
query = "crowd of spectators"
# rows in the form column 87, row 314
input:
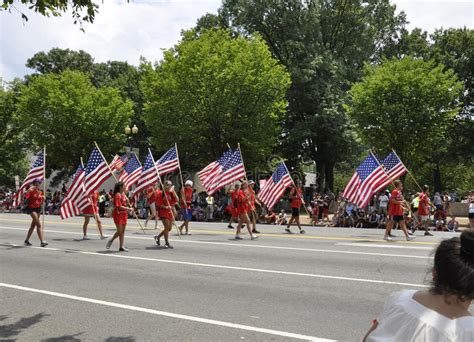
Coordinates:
column 318, row 206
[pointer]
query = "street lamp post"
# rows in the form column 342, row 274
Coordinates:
column 130, row 132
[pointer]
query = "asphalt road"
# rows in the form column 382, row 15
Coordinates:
column 327, row 284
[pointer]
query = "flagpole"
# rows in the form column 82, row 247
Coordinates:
column 393, row 183
column 289, row 174
column 179, row 165
column 115, row 177
column 408, row 171
column 44, row 189
column 90, row 202
column 163, row 189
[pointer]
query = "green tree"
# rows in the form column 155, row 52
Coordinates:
column 67, row 113
column 58, row 60
column 57, row 7
column 116, row 74
column 324, row 45
column 215, row 90
column 407, row 105
column 13, row 144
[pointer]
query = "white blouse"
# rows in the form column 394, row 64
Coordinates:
column 404, row 319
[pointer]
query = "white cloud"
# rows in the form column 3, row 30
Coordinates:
column 432, row 14
column 121, row 31
column 126, row 31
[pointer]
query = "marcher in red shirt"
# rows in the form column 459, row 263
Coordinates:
column 92, row 211
column 253, row 209
column 396, row 211
column 120, row 215
column 186, row 199
column 35, row 198
column 296, row 198
column 232, row 207
column 424, row 209
column 151, row 203
column 243, row 208
column 165, row 202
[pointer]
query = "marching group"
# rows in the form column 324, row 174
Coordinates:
column 385, row 210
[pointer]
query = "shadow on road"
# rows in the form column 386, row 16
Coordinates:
column 120, row 339
column 68, row 338
column 14, row 329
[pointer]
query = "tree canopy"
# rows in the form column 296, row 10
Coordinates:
column 67, row 113
column 82, row 10
column 407, row 105
column 324, row 45
column 212, row 91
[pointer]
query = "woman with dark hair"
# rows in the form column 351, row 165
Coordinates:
column 34, row 198
column 165, row 203
column 120, row 215
column 440, row 313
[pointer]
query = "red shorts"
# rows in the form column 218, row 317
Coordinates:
column 165, row 214
column 120, row 217
column 89, row 211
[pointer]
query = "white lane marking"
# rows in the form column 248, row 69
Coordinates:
column 387, row 245
column 168, row 314
column 257, row 246
column 238, row 268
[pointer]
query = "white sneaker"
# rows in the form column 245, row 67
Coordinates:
column 411, row 237
column 254, row 237
column 387, row 238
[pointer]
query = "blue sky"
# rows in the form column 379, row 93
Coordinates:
column 126, row 31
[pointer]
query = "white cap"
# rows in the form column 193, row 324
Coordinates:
column 189, row 182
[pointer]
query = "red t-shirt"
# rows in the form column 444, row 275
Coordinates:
column 395, row 209
column 94, row 198
column 242, row 202
column 169, row 200
column 423, row 205
column 35, row 198
column 151, row 196
column 297, row 200
column 187, row 197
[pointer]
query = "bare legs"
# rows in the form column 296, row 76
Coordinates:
column 165, row 232
column 244, row 219
column 120, row 233
column 35, row 223
column 99, row 225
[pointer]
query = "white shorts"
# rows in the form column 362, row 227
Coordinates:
column 423, row 218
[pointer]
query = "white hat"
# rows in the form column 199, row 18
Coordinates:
column 189, row 182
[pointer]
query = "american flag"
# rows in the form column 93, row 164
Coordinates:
column 365, row 181
column 132, row 171
column 36, row 172
column 76, row 191
column 207, row 174
column 96, row 173
column 231, row 170
column 275, row 186
column 118, row 162
column 394, row 169
column 168, row 162
column 148, row 177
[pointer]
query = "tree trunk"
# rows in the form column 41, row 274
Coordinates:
column 320, row 174
column 330, row 176
column 437, row 178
